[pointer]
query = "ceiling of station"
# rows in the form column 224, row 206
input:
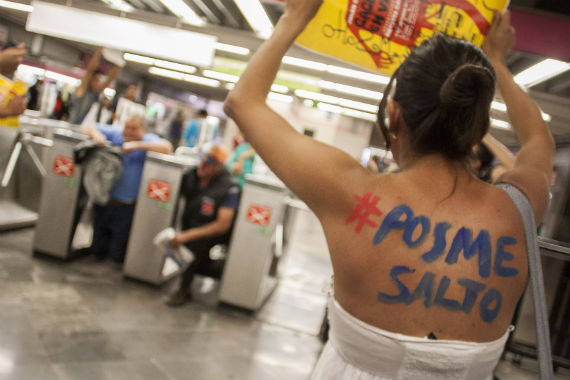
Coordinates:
column 225, row 20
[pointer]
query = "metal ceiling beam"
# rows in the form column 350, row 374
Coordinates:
column 138, row 4
column 155, row 6
column 207, row 11
column 229, row 17
column 560, row 85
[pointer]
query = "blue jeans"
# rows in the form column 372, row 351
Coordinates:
column 111, row 229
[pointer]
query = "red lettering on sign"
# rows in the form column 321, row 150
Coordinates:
column 63, row 166
column 257, row 214
column 401, row 22
column 159, row 190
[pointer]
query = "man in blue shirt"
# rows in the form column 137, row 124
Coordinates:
column 113, row 221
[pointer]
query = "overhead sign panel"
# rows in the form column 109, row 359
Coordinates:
column 122, row 34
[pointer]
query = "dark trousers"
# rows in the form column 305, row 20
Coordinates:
column 203, row 265
column 111, row 229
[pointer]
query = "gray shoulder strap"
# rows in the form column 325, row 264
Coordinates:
column 536, row 280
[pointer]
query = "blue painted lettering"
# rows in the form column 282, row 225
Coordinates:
column 438, row 243
column 425, row 289
column 403, row 290
column 472, row 288
column 411, row 227
column 502, row 255
column 392, row 222
column 487, row 314
column 440, row 299
column 463, row 241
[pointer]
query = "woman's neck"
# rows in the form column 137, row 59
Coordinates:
column 435, row 171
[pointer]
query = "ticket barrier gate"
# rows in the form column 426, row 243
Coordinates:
column 22, row 160
column 250, row 273
column 58, row 210
column 156, row 209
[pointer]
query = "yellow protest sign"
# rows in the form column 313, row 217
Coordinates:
column 9, row 89
column 379, row 34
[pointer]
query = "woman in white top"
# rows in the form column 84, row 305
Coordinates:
column 429, row 263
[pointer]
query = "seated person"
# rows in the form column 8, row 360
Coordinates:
column 212, row 198
column 113, row 221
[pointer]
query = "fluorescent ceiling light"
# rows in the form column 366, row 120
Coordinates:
column 232, row 49
column 503, row 108
column 159, row 62
column 541, row 71
column 229, row 86
column 280, row 97
column 356, row 91
column 16, row 6
column 347, row 111
column 62, row 78
column 304, row 63
column 138, row 58
column 360, row 114
column 201, row 80
column 329, row 107
column 120, row 5
column 308, row 103
column 358, row 74
column 183, row 11
column 166, row 73
column 279, row 88
column 110, row 92
column 185, row 77
column 221, row 76
column 256, row 17
column 175, row 66
column 500, row 124
column 31, row 70
column 337, row 101
column 498, row 106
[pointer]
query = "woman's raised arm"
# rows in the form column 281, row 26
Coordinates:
column 533, row 164
column 318, row 173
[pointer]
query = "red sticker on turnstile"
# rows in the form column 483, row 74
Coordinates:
column 257, row 214
column 158, row 190
column 63, row 166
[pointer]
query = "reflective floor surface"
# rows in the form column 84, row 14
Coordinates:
column 81, row 319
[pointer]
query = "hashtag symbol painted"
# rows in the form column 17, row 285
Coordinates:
column 363, row 209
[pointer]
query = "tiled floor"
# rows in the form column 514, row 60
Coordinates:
column 82, row 320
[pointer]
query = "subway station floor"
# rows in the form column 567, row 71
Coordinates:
column 80, row 319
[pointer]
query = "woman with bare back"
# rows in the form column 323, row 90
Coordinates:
column 429, row 263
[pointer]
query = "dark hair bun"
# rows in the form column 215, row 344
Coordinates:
column 466, row 86
column 445, row 87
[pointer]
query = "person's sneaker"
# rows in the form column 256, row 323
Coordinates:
column 178, row 298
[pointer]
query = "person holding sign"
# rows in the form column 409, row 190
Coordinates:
column 429, row 263
column 90, row 88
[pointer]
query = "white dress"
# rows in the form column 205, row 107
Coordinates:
column 357, row 350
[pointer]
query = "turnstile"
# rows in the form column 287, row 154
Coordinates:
column 61, row 186
column 156, row 210
column 250, row 272
column 22, row 161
